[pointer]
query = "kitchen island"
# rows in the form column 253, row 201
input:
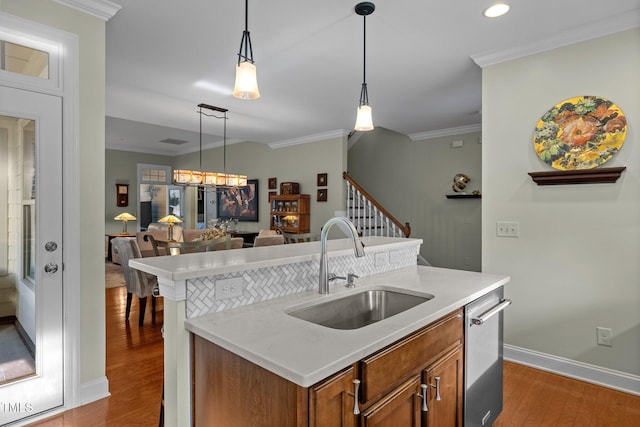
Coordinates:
column 238, row 301
column 284, row 364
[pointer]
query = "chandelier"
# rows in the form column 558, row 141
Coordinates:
column 210, row 179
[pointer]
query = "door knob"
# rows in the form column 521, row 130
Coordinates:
column 50, row 268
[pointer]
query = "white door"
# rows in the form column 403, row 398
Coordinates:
column 31, row 245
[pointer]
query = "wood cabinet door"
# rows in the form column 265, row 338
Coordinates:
column 332, row 401
column 445, row 376
column 401, row 407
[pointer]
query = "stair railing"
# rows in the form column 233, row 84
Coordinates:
column 369, row 216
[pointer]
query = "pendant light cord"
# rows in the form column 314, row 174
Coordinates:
column 364, row 51
column 200, row 112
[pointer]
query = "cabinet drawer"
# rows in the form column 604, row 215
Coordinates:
column 379, row 372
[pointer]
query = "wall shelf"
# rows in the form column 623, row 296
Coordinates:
column 464, row 196
column 583, row 176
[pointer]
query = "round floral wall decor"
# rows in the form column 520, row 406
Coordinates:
column 580, row 133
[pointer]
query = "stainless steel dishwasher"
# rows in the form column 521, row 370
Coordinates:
column 483, row 359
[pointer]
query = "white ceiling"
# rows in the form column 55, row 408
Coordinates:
column 164, row 57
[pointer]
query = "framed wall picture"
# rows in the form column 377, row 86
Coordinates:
column 322, row 180
column 272, row 194
column 122, row 195
column 322, row 195
column 239, row 202
column 273, row 183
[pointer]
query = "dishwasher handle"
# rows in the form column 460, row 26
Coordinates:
column 491, row 312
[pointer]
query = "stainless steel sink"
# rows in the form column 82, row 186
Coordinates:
column 361, row 309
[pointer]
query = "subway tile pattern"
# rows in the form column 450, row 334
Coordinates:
column 267, row 283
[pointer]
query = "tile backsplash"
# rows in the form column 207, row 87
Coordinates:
column 220, row 292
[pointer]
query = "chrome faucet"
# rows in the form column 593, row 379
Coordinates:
column 358, row 248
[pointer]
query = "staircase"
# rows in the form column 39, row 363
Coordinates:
column 369, row 217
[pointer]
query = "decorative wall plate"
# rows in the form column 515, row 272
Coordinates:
column 580, row 133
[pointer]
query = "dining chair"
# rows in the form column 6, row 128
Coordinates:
column 137, row 282
column 299, row 238
column 232, row 243
column 163, row 247
column 268, row 240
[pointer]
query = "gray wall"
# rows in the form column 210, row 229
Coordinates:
column 575, row 265
column 121, row 168
column 411, row 180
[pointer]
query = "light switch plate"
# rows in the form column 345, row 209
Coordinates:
column 507, row 229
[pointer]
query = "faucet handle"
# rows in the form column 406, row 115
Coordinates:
column 350, row 278
column 333, row 276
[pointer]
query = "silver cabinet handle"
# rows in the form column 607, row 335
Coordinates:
column 491, row 312
column 356, row 409
column 50, row 268
column 424, row 397
column 437, row 387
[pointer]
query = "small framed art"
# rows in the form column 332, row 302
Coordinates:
column 322, row 180
column 322, row 195
column 273, row 183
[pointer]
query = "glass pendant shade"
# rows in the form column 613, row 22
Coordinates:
column 246, row 86
column 364, row 119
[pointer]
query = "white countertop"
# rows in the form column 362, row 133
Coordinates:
column 191, row 266
column 305, row 353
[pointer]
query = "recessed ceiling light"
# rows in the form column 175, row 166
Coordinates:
column 496, row 10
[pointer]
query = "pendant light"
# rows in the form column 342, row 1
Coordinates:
column 246, row 86
column 364, row 119
column 210, row 179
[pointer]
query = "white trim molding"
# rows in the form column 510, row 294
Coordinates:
column 445, row 132
column 604, row 27
column 340, row 133
column 102, row 9
column 610, row 378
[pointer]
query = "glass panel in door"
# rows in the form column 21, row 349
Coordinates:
column 31, row 350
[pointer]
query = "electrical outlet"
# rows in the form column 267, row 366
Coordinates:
column 381, row 259
column 604, row 336
column 228, row 288
column 507, row 229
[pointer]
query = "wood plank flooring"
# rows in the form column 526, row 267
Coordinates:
column 135, row 363
column 532, row 398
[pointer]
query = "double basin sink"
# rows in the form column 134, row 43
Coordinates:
column 357, row 310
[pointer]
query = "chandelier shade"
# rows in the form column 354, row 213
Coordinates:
column 199, row 177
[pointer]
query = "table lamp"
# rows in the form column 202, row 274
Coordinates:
column 125, row 217
column 170, row 220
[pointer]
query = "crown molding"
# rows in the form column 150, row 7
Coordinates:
column 103, row 9
column 339, row 133
column 445, row 132
column 603, row 27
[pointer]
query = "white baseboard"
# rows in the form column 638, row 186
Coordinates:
column 93, row 390
column 610, row 378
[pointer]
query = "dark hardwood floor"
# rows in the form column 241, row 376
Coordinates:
column 134, row 369
column 532, row 398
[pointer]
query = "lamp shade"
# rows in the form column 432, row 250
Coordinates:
column 171, row 219
column 364, row 119
column 125, row 216
column 246, row 86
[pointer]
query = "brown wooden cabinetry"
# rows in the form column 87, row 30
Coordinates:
column 331, row 401
column 391, row 386
column 290, row 213
column 444, row 381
